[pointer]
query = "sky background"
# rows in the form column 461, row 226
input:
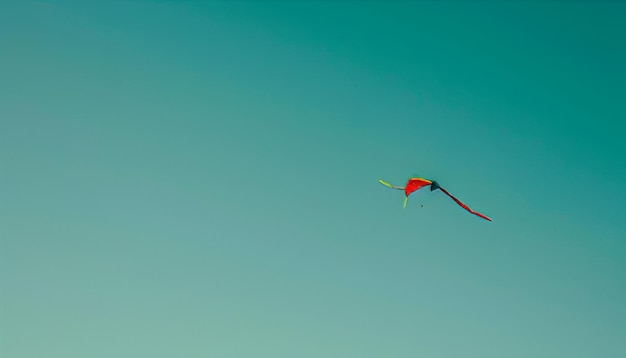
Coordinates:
column 200, row 179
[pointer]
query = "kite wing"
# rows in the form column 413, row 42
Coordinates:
column 463, row 205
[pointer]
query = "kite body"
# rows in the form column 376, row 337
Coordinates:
column 415, row 184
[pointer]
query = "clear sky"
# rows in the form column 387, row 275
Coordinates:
column 200, row 179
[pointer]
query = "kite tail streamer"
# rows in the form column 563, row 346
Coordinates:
column 390, row 185
column 463, row 205
column 406, row 199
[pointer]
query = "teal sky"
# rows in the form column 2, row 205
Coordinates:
column 200, row 179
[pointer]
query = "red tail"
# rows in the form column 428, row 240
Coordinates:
column 464, row 206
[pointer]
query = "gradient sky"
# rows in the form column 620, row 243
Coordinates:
column 199, row 179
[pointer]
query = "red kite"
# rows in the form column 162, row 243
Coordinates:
column 415, row 184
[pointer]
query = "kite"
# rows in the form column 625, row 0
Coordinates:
column 415, row 184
